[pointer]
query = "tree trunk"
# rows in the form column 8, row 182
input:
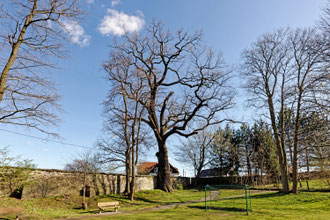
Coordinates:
column 133, row 163
column 132, row 184
column 307, row 162
column 128, row 171
column 295, row 168
column 164, row 181
column 222, row 173
column 248, row 164
column 14, row 50
column 198, row 174
column 295, row 146
column 84, row 204
column 290, row 148
column 280, row 150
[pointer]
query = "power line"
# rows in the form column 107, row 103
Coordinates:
column 45, row 139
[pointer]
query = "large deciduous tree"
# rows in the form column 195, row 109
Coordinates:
column 289, row 68
column 310, row 78
column 266, row 68
column 32, row 37
column 123, row 115
column 186, row 85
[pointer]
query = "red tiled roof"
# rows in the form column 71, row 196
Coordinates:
column 147, row 167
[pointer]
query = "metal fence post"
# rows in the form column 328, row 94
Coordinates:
column 246, row 200
column 205, row 199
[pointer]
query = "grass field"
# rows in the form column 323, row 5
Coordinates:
column 59, row 207
column 314, row 185
column 305, row 205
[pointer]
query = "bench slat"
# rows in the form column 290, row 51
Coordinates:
column 107, row 204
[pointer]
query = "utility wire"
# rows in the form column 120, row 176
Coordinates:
column 45, row 139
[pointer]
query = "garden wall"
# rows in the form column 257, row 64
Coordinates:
column 46, row 182
column 43, row 183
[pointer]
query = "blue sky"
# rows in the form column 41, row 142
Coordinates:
column 229, row 26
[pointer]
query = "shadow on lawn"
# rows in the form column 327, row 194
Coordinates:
column 268, row 195
column 230, row 209
column 260, row 196
column 156, row 202
column 314, row 190
column 145, row 200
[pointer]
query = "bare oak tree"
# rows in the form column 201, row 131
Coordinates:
column 185, row 83
column 265, row 67
column 288, row 68
column 123, row 115
column 32, row 37
column 310, row 77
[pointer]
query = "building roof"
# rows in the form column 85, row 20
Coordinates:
column 214, row 172
column 148, row 167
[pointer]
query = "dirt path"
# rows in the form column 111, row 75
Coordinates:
column 213, row 196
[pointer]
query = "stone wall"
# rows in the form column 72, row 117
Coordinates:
column 45, row 183
column 182, row 182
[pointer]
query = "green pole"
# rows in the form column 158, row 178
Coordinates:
column 246, row 200
column 250, row 200
column 205, row 199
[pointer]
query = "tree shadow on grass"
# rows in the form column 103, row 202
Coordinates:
column 260, row 196
column 268, row 195
column 145, row 200
column 230, row 209
column 156, row 202
column 314, row 190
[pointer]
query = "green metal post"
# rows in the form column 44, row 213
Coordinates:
column 250, row 200
column 205, row 199
column 246, row 200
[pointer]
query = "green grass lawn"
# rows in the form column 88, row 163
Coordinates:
column 305, row 205
column 152, row 198
column 58, row 207
column 314, row 185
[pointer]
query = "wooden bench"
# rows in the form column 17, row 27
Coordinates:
column 108, row 205
column 4, row 211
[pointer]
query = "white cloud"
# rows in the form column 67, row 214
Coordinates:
column 115, row 2
column 76, row 32
column 119, row 23
column 90, row 1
